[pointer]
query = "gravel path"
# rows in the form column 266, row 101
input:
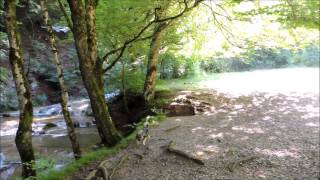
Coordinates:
column 257, row 135
column 248, row 137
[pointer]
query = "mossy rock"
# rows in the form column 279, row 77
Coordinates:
column 48, row 126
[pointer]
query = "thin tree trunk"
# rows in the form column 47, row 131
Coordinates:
column 23, row 138
column 84, row 19
column 123, row 83
column 153, row 58
column 64, row 92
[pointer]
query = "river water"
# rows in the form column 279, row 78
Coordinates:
column 49, row 145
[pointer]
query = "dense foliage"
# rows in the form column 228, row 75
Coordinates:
column 218, row 37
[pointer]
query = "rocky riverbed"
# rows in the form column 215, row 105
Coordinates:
column 49, row 131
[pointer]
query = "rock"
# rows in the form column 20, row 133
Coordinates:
column 61, row 31
column 6, row 115
column 48, row 126
column 175, row 109
column 88, row 111
column 76, row 124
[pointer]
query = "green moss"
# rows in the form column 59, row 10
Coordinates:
column 48, row 126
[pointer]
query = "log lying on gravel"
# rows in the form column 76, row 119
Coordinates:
column 172, row 148
column 172, row 128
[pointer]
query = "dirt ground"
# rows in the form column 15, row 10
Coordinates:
column 253, row 136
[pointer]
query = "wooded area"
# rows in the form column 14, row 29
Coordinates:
column 123, row 66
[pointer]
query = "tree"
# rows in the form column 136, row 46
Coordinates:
column 162, row 23
column 291, row 13
column 23, row 138
column 85, row 35
column 63, row 89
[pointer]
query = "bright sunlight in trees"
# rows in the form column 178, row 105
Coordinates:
column 159, row 89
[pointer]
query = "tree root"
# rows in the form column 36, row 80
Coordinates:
column 233, row 165
column 102, row 167
column 125, row 157
column 91, row 175
column 171, row 148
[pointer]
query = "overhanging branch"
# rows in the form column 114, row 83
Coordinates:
column 122, row 49
column 136, row 37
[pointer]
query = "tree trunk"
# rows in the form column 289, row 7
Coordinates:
column 150, row 81
column 84, row 32
column 123, row 84
column 23, row 138
column 64, row 92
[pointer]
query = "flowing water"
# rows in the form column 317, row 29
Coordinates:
column 51, row 145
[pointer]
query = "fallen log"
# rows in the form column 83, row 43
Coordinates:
column 172, row 148
column 172, row 128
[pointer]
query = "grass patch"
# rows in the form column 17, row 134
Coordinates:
column 85, row 160
column 189, row 83
column 97, row 155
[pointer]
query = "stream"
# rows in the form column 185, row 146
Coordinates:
column 52, row 144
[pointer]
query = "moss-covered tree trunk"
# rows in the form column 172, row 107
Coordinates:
column 153, row 58
column 84, row 32
column 23, row 138
column 64, row 92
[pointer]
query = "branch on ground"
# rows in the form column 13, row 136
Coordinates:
column 172, row 148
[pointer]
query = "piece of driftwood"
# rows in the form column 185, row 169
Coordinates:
column 125, row 157
column 102, row 167
column 233, row 165
column 172, row 128
column 172, row 148
column 91, row 175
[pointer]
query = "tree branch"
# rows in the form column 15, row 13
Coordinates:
column 65, row 14
column 135, row 38
column 122, row 49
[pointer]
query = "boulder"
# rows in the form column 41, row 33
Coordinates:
column 175, row 109
column 6, row 115
column 48, row 126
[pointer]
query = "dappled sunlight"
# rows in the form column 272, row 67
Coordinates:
column 219, row 135
column 293, row 152
column 206, row 151
column 178, row 119
column 196, row 129
column 266, row 118
column 247, row 130
column 283, row 81
column 312, row 124
column 244, row 138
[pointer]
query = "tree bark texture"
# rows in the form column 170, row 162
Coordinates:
column 23, row 138
column 64, row 92
column 153, row 58
column 84, row 31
